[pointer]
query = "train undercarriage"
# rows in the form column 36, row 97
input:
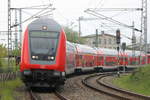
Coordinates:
column 43, row 78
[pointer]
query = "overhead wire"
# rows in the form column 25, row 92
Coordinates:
column 27, row 13
column 100, row 3
column 103, row 4
column 115, row 30
column 34, row 15
column 117, row 14
column 36, row 6
column 46, row 13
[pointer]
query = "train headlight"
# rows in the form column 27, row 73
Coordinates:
column 36, row 57
column 48, row 57
column 33, row 57
column 52, row 58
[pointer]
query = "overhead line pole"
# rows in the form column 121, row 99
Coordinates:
column 79, row 26
column 16, row 31
column 144, row 24
column 20, row 27
column 9, row 33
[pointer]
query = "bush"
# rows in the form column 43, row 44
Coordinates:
column 72, row 36
column 0, row 63
column 3, row 51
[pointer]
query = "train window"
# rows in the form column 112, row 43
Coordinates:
column 70, row 48
column 100, row 58
column 67, row 47
column 43, row 47
column 43, row 34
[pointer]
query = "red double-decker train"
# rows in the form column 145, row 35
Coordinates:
column 47, row 57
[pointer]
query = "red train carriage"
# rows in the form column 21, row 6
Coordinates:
column 100, row 58
column 70, row 58
column 85, row 58
column 109, row 58
column 148, row 58
column 43, row 57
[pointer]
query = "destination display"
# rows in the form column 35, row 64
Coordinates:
column 43, row 34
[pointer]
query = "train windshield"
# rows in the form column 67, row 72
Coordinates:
column 43, row 45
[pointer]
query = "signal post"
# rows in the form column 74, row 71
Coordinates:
column 123, row 48
column 118, row 43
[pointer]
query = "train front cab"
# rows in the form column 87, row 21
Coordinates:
column 43, row 56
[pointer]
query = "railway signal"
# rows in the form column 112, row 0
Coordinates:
column 123, row 46
column 118, row 43
column 118, row 36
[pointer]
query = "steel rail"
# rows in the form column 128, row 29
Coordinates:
column 84, row 81
column 101, row 82
column 33, row 96
column 61, row 97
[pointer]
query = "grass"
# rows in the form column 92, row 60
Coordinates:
column 138, row 82
column 7, row 89
column 4, row 66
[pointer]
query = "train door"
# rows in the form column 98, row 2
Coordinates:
column 148, row 58
column 70, row 56
column 100, row 60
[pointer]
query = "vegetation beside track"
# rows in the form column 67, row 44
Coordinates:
column 73, row 36
column 7, row 89
column 4, row 57
column 138, row 81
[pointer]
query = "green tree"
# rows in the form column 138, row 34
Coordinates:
column 16, row 52
column 3, row 53
column 73, row 36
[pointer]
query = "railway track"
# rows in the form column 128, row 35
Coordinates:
column 96, row 83
column 8, row 76
column 46, row 96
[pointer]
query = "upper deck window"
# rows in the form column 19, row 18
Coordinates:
column 44, row 34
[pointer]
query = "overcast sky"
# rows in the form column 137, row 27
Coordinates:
column 68, row 11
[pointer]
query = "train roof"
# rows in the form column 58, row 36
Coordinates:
column 113, row 52
column 107, row 51
column 70, row 44
column 38, row 24
column 104, row 51
column 130, row 53
column 85, row 49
